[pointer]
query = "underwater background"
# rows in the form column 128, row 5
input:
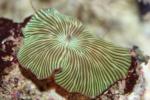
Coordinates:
column 123, row 22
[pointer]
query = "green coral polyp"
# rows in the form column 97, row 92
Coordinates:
column 89, row 64
column 71, row 43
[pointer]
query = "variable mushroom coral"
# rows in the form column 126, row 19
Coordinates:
column 89, row 65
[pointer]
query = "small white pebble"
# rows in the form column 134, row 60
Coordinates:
column 55, row 96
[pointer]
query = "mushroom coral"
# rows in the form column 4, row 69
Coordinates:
column 89, row 64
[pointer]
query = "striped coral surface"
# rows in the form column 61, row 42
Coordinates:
column 89, row 64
